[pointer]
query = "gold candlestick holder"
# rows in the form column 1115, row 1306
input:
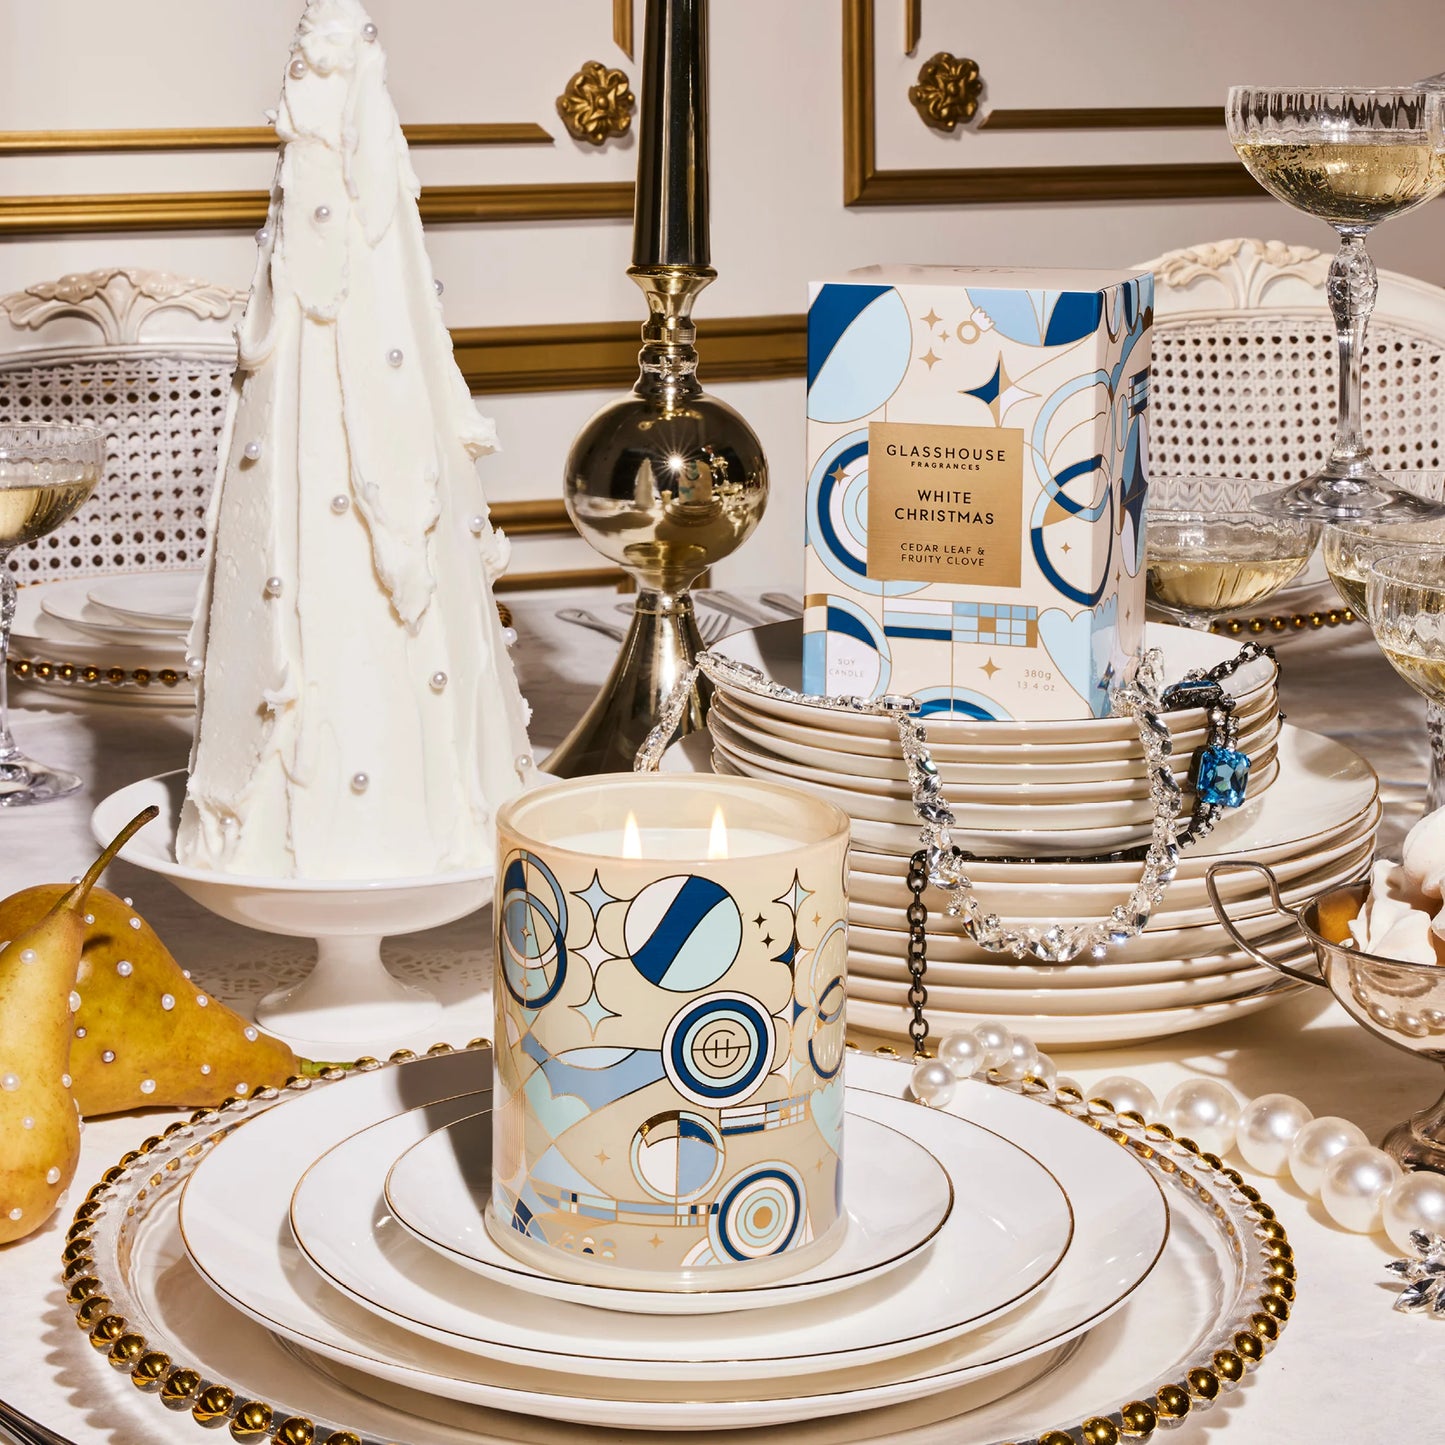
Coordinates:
column 664, row 482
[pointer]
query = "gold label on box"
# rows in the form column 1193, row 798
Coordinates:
column 945, row 504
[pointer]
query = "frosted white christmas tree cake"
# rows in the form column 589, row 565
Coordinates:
column 359, row 715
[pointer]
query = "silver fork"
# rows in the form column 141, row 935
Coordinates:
column 712, row 626
column 581, row 617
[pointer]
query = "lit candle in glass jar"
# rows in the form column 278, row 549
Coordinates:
column 671, row 970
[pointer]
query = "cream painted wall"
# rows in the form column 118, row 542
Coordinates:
column 778, row 217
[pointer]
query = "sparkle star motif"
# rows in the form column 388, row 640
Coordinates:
column 1067, row 547
column 767, row 940
column 989, row 668
column 839, row 474
column 817, row 919
column 933, row 318
column 595, row 896
column 930, row 359
column 602, row 1156
column 594, row 1011
column 654, row 1241
column 795, row 895
column 759, row 920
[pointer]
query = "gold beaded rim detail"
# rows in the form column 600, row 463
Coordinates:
column 1294, row 622
column 1235, row 1348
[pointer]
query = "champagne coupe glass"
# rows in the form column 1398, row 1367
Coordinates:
column 1354, row 158
column 1350, row 549
column 1209, row 554
column 46, row 474
column 1405, row 602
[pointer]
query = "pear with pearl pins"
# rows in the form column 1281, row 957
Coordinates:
column 39, row 1119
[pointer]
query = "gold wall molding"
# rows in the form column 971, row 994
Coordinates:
column 1135, row 117
column 612, row 577
column 532, row 519
column 622, row 32
column 247, row 138
column 948, row 91
column 912, row 25
column 603, row 355
column 864, row 184
column 597, row 103
column 245, row 210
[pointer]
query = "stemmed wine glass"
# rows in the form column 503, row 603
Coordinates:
column 1354, row 158
column 1208, row 554
column 1350, row 549
column 46, row 474
column 1405, row 602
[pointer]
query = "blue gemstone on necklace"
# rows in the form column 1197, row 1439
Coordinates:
column 1220, row 776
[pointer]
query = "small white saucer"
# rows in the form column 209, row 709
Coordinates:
column 439, row 1190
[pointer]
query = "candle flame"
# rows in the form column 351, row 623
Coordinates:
column 717, row 838
column 631, row 838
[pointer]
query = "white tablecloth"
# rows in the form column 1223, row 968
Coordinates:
column 1347, row 1368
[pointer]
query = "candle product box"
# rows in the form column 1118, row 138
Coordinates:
column 977, row 476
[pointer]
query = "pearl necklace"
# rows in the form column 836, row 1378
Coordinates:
column 1362, row 1189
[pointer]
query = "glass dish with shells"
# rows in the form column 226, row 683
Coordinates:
column 1205, row 1316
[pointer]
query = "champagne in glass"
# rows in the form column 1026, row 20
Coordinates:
column 1208, row 555
column 46, row 474
column 1353, row 158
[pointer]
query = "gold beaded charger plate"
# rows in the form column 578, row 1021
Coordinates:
column 1009, row 1231
column 1206, row 1315
column 66, row 663
column 439, row 1189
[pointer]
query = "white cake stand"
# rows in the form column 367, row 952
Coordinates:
column 348, row 997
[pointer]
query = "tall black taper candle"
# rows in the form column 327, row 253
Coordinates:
column 670, row 218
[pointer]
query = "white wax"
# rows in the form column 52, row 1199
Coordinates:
column 678, row 844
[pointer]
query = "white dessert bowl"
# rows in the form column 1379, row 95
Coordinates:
column 349, row 996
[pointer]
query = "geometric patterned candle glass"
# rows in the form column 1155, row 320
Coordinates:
column 669, row 1030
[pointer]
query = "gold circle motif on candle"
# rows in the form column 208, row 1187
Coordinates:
column 671, row 963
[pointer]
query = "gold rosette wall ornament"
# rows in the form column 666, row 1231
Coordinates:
column 948, row 91
column 597, row 103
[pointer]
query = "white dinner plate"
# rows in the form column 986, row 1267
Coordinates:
column 1075, row 1031
column 150, row 599
column 777, row 650
column 236, row 1233
column 438, row 1190
column 1007, row 1232
column 68, row 602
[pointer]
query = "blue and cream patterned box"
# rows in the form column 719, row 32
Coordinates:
column 976, row 454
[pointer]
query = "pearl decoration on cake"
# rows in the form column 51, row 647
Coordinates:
column 27, row 955
column 1128, row 1096
column 322, row 212
column 1203, row 1110
column 17, row 1213
column 439, row 287
column 74, row 1001
column 1317, row 1145
column 108, row 1057
column 1267, row 1130
column 147, row 1086
column 274, row 586
column 124, row 968
column 360, row 782
column 369, row 32
column 509, row 637
column 249, row 1034
column 252, row 451
column 168, row 1001
column 1355, row 1187
column 438, row 681
column 10, row 1083
column 933, row 1083
column 395, row 356
column 298, row 68
column 340, row 504
column 52, row 1175
column 263, row 236
column 477, row 525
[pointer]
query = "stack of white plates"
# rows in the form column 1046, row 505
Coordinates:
column 1061, row 788
column 121, row 638
column 985, row 1242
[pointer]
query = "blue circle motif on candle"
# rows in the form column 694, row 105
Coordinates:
column 760, row 1213
column 683, row 933
column 718, row 1051
column 677, row 1156
column 533, row 931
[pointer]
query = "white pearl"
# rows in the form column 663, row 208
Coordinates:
column 263, row 236
column 135, row 922
column 74, row 1002
column 509, row 637
column 201, row 1000
column 274, row 586
column 1355, row 1185
column 147, row 1086
column 17, row 1213
column 252, row 451
column 439, row 287
column 438, row 681
column 205, row 1068
column 124, row 968
column 243, row 1088
column 1046, row 1069
column 340, row 505
column 250, row 1034
column 298, row 68
column 360, row 782
column 28, row 955
column 962, row 1053
column 52, row 1175
column 108, row 1057
column 322, row 212
column 1267, row 1128
column 1416, row 1202
column 1068, row 1081
column 1021, row 1058
column 933, row 1083
column 65, row 1083
column 10, row 1083
column 1203, row 1110
column 168, row 1001
column 994, row 1039
column 27, row 1122
column 80, row 1033
column 1320, row 1141
column 369, row 32
column 476, row 525
column 395, row 356
column 1128, row 1096
column 89, row 919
